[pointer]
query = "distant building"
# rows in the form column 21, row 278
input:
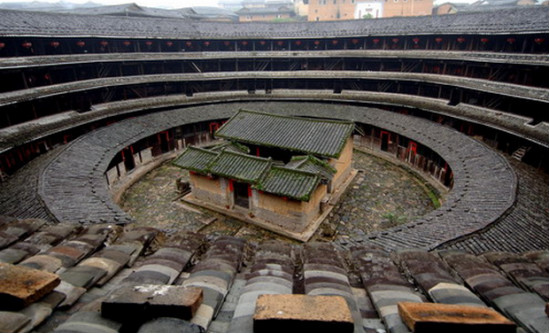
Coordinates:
column 286, row 184
column 130, row 9
column 449, row 8
column 327, row 10
column 200, row 13
column 253, row 3
column 369, row 9
column 407, row 8
column 265, row 10
column 232, row 5
column 301, row 7
column 256, row 14
column 211, row 14
column 481, row 5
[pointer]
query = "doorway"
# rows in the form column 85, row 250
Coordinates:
column 385, row 137
column 241, row 193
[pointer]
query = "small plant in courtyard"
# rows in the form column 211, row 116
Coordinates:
column 394, row 219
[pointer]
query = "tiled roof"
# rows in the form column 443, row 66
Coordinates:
column 289, row 183
column 129, row 9
column 93, row 264
column 239, row 166
column 318, row 137
column 195, row 159
column 518, row 20
column 297, row 182
column 230, row 146
column 309, row 163
column 267, row 10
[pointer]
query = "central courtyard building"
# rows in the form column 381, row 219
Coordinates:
column 279, row 172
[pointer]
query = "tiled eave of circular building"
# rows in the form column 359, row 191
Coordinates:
column 73, row 185
column 35, row 24
column 90, row 58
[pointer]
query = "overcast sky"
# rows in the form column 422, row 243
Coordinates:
column 146, row 3
column 169, row 4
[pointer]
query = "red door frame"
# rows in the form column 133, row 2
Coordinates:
column 412, row 149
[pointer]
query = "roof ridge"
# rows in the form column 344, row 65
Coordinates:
column 199, row 149
column 320, row 120
column 295, row 170
column 247, row 155
column 212, row 164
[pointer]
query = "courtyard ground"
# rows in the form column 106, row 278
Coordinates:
column 381, row 196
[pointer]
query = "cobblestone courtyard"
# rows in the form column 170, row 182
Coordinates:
column 381, row 196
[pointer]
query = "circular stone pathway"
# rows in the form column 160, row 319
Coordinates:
column 382, row 196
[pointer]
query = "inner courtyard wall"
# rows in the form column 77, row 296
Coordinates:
column 288, row 213
column 208, row 189
column 342, row 165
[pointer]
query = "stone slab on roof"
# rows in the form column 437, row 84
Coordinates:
column 241, row 167
column 152, row 301
column 21, row 286
column 318, row 137
column 289, row 183
column 302, row 313
column 434, row 317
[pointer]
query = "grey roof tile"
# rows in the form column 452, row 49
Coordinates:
column 318, row 137
column 195, row 159
column 168, row 325
column 312, row 164
column 17, row 23
column 289, row 183
column 239, row 166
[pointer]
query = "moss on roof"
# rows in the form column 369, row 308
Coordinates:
column 238, row 166
column 230, row 146
column 195, row 159
column 290, row 183
column 309, row 163
column 264, row 174
column 325, row 138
